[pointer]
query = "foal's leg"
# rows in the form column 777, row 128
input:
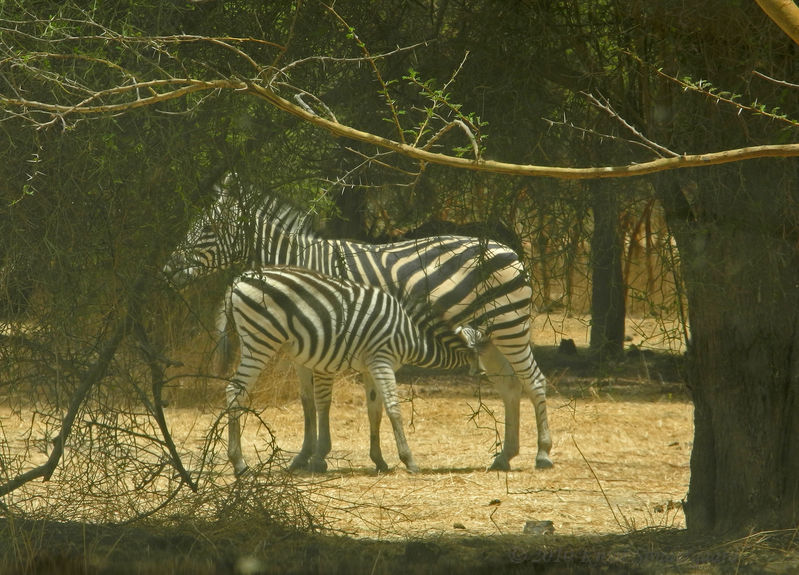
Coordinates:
column 374, row 407
column 323, row 389
column 383, row 376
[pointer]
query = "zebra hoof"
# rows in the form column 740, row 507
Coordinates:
column 412, row 468
column 381, row 467
column 243, row 472
column 500, row 464
column 317, row 465
column 543, row 462
column 299, row 463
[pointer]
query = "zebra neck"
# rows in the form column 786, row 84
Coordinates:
column 278, row 247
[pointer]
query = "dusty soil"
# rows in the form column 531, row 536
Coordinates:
column 619, row 464
column 622, row 441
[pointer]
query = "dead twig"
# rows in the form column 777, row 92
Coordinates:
column 158, row 378
column 603, row 104
column 599, row 483
column 88, row 380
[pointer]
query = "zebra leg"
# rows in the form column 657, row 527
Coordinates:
column 305, row 377
column 519, row 362
column 536, row 389
column 502, row 376
column 234, row 390
column 374, row 407
column 322, row 389
column 383, row 377
column 234, row 444
column 251, row 364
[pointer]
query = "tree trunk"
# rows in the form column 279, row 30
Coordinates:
column 607, row 283
column 741, row 271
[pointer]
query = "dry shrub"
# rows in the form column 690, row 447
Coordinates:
column 119, row 465
column 196, row 377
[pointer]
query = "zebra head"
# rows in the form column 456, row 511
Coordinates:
column 216, row 240
column 475, row 340
column 243, row 230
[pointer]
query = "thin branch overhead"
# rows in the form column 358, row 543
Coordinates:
column 71, row 93
column 603, row 104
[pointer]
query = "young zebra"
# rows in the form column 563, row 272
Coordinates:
column 463, row 280
column 327, row 325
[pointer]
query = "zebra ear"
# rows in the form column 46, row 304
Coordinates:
column 223, row 189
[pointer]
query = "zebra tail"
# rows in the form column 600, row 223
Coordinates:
column 224, row 327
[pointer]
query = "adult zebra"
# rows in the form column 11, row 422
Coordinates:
column 328, row 324
column 464, row 281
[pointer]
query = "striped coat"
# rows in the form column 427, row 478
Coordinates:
column 328, row 325
column 464, row 281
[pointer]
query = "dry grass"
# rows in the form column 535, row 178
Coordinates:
column 599, row 442
column 620, row 463
column 639, row 452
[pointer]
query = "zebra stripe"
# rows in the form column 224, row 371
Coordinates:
column 462, row 280
column 327, row 325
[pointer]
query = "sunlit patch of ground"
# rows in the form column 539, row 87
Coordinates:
column 618, row 465
column 621, row 460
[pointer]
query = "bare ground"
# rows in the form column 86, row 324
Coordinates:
column 622, row 438
column 622, row 444
column 618, row 465
column 622, row 441
column 620, row 462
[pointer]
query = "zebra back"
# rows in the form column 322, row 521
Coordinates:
column 329, row 323
column 443, row 281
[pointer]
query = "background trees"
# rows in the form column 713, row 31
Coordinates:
column 96, row 201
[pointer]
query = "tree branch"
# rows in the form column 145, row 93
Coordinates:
column 605, row 106
column 786, row 15
column 654, row 166
column 192, row 86
column 157, row 407
column 91, row 378
column 83, row 108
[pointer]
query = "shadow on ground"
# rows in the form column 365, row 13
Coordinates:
column 210, row 548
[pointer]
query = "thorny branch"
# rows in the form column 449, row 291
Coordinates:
column 774, row 80
column 61, row 112
column 603, row 104
column 471, row 129
column 156, row 364
column 704, row 88
column 133, row 92
column 89, row 379
column 383, row 86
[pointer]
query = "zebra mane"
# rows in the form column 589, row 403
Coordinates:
column 287, row 217
column 234, row 196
